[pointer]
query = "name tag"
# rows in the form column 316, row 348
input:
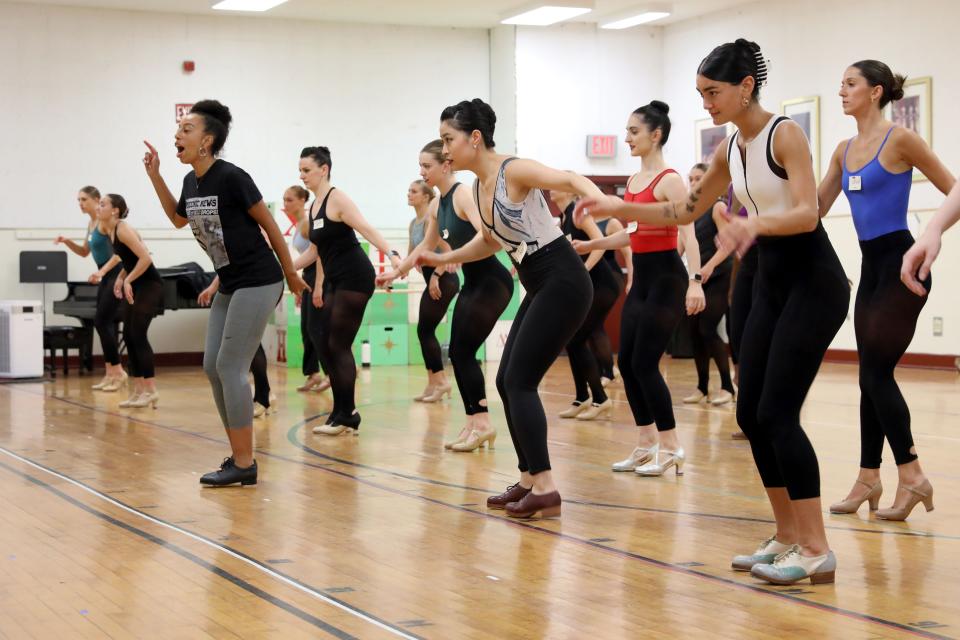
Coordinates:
column 446, row 234
column 318, row 223
column 519, row 252
column 855, row 183
column 632, row 227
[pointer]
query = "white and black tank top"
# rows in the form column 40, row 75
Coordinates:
column 758, row 179
column 521, row 228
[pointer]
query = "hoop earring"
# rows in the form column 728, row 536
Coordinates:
column 203, row 152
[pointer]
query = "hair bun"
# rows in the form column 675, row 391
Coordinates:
column 896, row 90
column 660, row 106
column 484, row 110
column 215, row 109
column 753, row 47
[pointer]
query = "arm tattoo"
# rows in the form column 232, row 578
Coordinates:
column 669, row 211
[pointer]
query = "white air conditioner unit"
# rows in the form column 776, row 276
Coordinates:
column 21, row 339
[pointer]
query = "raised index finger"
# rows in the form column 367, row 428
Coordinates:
column 150, row 146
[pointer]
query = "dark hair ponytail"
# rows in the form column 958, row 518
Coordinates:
column 733, row 61
column 320, row 155
column 119, row 203
column 472, row 115
column 655, row 117
column 216, row 121
column 878, row 74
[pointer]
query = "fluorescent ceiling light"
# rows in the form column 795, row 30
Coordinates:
column 545, row 15
column 632, row 21
column 247, row 5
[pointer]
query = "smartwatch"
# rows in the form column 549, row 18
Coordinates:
column 697, row 278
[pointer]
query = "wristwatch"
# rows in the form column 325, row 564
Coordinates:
column 697, row 277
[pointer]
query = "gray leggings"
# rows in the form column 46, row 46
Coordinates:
column 236, row 325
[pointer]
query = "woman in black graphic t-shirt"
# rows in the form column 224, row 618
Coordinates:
column 226, row 213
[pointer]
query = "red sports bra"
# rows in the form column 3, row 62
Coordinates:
column 649, row 238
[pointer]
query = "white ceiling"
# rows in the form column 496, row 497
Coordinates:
column 448, row 13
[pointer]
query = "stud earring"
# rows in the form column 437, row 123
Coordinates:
column 746, row 101
column 203, row 152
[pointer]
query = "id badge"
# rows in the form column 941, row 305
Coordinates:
column 318, row 223
column 446, row 234
column 632, row 227
column 855, row 183
column 520, row 252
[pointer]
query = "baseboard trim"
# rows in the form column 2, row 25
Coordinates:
column 909, row 360
column 175, row 359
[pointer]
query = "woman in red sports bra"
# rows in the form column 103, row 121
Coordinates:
column 655, row 303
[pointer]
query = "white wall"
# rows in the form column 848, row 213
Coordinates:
column 576, row 80
column 83, row 87
column 810, row 44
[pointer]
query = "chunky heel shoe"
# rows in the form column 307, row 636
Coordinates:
column 851, row 505
column 103, row 383
column 791, row 567
column 514, row 493
column 339, row 424
column 145, row 399
column 475, row 440
column 921, row 493
column 696, row 397
column 116, row 383
column 662, row 462
column 426, row 392
column 534, row 506
column 323, row 385
column 229, row 473
column 766, row 553
column 311, row 381
column 597, row 411
column 638, row 457
column 466, row 431
column 575, row 409
column 129, row 401
column 438, row 392
column 722, row 398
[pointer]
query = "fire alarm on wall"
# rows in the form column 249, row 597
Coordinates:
column 188, row 66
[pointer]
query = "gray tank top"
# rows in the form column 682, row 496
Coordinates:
column 521, row 228
column 300, row 243
column 418, row 229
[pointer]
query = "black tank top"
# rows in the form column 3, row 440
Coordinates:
column 570, row 229
column 130, row 259
column 706, row 230
column 454, row 230
column 333, row 238
column 610, row 255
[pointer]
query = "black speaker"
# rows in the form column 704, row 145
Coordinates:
column 43, row 266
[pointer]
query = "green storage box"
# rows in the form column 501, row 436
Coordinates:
column 414, row 353
column 387, row 308
column 389, row 344
column 294, row 347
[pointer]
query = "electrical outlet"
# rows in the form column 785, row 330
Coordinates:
column 938, row 326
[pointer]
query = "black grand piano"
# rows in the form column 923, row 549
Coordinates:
column 181, row 286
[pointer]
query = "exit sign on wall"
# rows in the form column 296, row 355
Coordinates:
column 601, row 146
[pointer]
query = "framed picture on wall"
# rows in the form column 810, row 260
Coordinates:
column 914, row 111
column 707, row 137
column 806, row 113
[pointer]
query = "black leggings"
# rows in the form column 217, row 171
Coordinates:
column 651, row 313
column 261, row 383
column 885, row 318
column 333, row 328
column 431, row 313
column 311, row 361
column 600, row 342
column 105, row 320
column 583, row 361
column 486, row 292
column 741, row 300
column 147, row 298
column 707, row 344
column 558, row 298
column 801, row 300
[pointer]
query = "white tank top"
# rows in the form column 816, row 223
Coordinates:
column 521, row 228
column 758, row 180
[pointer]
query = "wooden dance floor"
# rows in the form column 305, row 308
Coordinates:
column 105, row 533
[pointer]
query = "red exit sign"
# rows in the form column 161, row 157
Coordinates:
column 182, row 109
column 601, row 146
